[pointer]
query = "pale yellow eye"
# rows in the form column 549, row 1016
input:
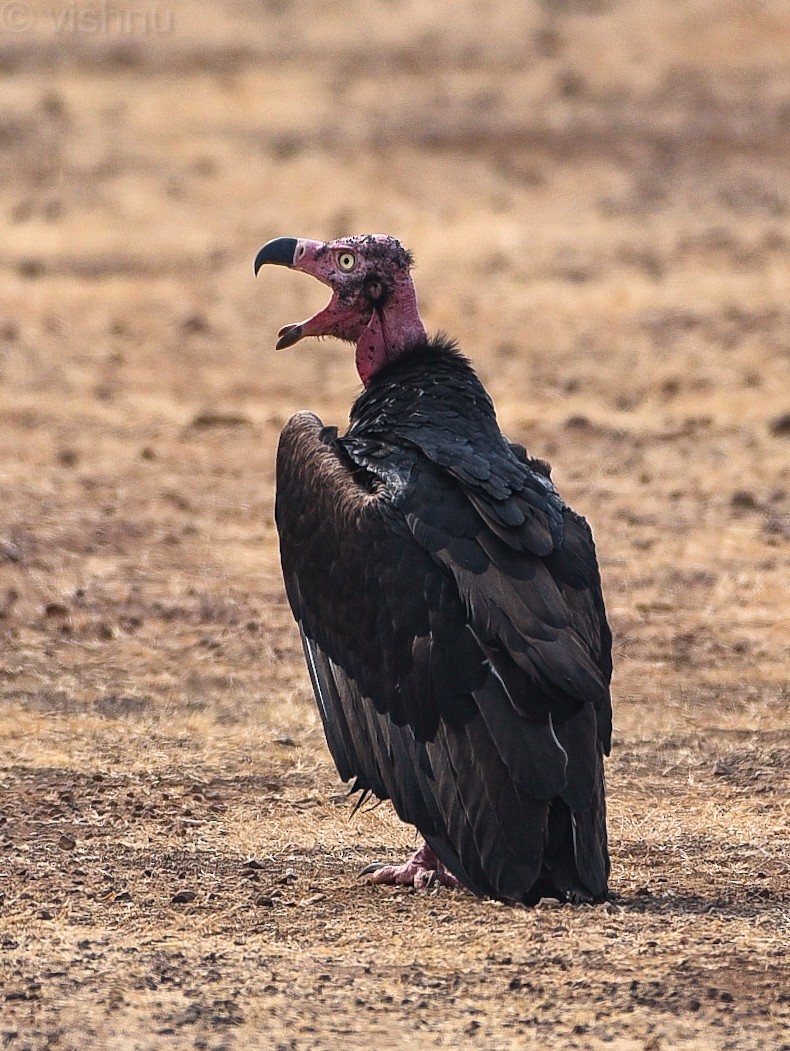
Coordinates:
column 346, row 260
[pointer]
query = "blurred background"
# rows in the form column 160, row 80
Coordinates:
column 597, row 195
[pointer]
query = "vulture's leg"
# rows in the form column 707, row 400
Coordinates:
column 421, row 870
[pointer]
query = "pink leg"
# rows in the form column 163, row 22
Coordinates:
column 421, row 870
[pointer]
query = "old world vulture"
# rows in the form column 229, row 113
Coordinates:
column 449, row 601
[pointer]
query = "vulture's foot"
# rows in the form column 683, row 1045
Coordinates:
column 422, row 870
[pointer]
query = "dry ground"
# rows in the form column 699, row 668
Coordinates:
column 598, row 196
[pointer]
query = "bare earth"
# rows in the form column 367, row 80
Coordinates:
column 598, row 197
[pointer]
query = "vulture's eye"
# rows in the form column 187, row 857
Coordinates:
column 346, row 260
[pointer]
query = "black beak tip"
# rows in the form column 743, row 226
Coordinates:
column 279, row 251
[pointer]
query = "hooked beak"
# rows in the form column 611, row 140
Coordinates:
column 280, row 251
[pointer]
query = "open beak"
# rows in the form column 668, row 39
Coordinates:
column 335, row 319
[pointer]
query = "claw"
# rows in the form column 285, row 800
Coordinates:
column 374, row 866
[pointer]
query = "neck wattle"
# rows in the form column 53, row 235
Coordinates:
column 394, row 326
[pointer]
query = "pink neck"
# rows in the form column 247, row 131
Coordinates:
column 390, row 331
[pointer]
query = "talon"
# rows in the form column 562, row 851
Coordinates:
column 374, row 866
column 424, row 880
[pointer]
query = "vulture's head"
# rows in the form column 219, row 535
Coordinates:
column 373, row 302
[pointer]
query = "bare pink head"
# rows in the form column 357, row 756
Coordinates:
column 373, row 301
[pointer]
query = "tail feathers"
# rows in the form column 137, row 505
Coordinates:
column 590, row 840
column 576, row 859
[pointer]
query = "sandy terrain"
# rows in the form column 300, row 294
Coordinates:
column 598, row 197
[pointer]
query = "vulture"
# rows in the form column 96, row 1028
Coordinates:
column 449, row 601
